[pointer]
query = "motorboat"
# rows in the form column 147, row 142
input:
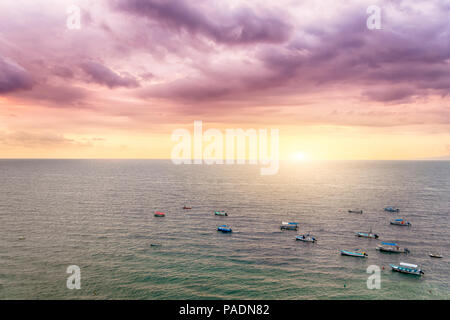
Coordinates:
column 369, row 235
column 354, row 254
column 391, row 247
column 224, row 228
column 289, row 225
column 391, row 209
column 401, row 222
column 306, row 238
column 407, row 268
column 220, row 213
column 159, row 214
column 355, row 211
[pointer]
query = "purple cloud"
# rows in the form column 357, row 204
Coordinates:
column 343, row 53
column 102, row 75
column 240, row 26
column 13, row 77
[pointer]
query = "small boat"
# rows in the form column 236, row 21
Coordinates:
column 224, row 229
column 355, row 211
column 401, row 222
column 435, row 255
column 407, row 268
column 354, row 254
column 21, row 238
column 289, row 225
column 187, row 208
column 306, row 238
column 392, row 209
column 369, row 235
column 159, row 214
column 220, row 213
column 392, row 248
column 155, row 245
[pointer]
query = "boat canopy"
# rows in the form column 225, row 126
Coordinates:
column 399, row 219
column 403, row 264
column 389, row 244
column 288, row 223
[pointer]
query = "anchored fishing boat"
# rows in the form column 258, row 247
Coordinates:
column 306, row 238
column 407, row 268
column 391, row 247
column 354, row 254
column 220, row 213
column 392, row 209
column 289, row 225
column 401, row 222
column 355, row 211
column 187, row 208
column 224, row 228
column 159, row 214
column 369, row 235
column 435, row 255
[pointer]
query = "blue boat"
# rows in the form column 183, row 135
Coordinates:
column 289, row 225
column 401, row 222
column 369, row 235
column 407, row 268
column 354, row 254
column 391, row 209
column 391, row 247
column 224, row 229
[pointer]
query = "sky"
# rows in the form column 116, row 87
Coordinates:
column 136, row 70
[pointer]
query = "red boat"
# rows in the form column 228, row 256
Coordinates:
column 187, row 208
column 159, row 214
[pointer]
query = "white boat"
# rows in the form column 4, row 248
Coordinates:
column 392, row 209
column 306, row 238
column 407, row 268
column 289, row 225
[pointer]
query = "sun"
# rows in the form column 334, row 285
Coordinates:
column 299, row 156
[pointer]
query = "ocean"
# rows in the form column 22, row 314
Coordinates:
column 99, row 215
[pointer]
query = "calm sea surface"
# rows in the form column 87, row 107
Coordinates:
column 98, row 214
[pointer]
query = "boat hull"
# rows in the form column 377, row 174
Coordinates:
column 405, row 224
column 353, row 254
column 299, row 238
column 367, row 235
column 289, row 227
column 415, row 272
column 391, row 250
column 224, row 229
